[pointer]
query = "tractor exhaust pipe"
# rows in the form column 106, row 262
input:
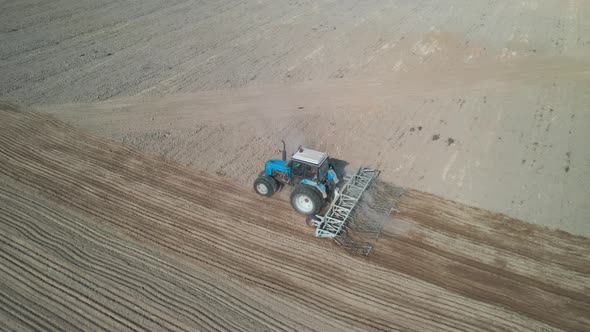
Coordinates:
column 284, row 152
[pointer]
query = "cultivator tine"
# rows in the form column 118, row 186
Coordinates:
column 339, row 213
column 352, row 246
column 366, row 227
column 350, row 221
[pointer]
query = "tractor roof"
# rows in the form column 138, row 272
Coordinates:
column 310, row 156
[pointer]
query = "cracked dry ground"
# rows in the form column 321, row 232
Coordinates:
column 97, row 236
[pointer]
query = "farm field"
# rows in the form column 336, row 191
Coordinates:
column 131, row 133
column 98, row 236
column 480, row 102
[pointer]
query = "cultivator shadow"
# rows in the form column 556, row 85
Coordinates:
column 358, row 212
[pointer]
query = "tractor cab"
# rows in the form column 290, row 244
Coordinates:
column 310, row 165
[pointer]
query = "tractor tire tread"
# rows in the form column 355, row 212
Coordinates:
column 271, row 184
column 312, row 193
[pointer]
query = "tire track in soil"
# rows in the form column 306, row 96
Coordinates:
column 101, row 202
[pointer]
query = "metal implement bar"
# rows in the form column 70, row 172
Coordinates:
column 334, row 222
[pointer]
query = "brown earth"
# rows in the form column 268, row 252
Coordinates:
column 98, row 236
column 482, row 102
column 507, row 137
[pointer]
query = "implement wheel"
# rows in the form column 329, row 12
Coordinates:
column 309, row 220
column 306, row 200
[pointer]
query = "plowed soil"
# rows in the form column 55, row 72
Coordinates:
column 98, row 236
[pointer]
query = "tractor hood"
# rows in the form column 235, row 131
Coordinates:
column 279, row 165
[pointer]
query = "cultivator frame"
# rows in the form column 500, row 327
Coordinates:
column 339, row 217
column 346, row 199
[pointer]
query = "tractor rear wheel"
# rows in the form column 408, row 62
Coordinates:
column 306, row 200
column 265, row 185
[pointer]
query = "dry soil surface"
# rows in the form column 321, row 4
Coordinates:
column 507, row 137
column 98, row 236
column 485, row 102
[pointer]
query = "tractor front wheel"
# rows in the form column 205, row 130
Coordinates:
column 265, row 185
column 306, row 200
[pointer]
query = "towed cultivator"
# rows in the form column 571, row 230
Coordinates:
column 333, row 206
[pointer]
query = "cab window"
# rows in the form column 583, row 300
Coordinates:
column 298, row 168
column 311, row 173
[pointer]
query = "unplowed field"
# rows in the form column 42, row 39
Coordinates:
column 97, row 236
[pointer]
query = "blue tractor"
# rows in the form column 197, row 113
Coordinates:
column 309, row 172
